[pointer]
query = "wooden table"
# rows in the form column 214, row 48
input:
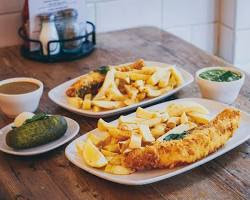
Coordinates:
column 52, row 176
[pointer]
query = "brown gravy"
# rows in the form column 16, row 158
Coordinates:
column 21, row 87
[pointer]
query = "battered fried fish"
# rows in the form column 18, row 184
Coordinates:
column 196, row 145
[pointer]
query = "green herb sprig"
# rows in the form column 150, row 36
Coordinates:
column 175, row 136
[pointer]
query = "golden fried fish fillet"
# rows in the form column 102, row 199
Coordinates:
column 196, row 145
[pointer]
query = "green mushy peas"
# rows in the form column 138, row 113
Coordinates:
column 220, row 75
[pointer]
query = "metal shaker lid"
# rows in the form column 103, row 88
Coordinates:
column 47, row 17
column 70, row 12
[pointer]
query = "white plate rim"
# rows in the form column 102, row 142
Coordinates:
column 104, row 175
column 36, row 152
column 109, row 113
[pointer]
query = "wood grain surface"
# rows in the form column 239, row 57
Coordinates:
column 52, row 176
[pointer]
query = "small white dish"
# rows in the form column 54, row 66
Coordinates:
column 150, row 176
column 72, row 131
column 58, row 96
column 14, row 104
column 225, row 92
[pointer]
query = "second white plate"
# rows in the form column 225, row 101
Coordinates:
column 58, row 96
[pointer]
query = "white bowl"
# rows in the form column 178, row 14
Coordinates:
column 225, row 92
column 14, row 104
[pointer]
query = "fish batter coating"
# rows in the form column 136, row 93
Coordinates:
column 196, row 145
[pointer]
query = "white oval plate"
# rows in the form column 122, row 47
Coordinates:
column 58, row 96
column 72, row 131
column 150, row 176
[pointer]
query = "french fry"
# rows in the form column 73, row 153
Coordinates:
column 96, row 108
column 141, row 96
column 164, row 117
column 148, row 70
column 127, row 126
column 130, row 120
column 152, row 122
column 131, row 91
column 163, row 82
column 176, row 109
column 158, row 130
column 152, row 92
column 114, row 94
column 173, row 122
column 118, row 169
column 157, row 76
column 119, row 134
column 116, row 160
column 107, row 104
column 172, row 81
column 145, row 114
column 108, row 153
column 86, row 104
column 129, row 102
column 135, row 141
column 135, row 76
column 112, row 148
column 184, row 118
column 139, row 84
column 177, row 75
column 104, row 126
column 199, row 118
column 75, row 101
column 123, row 75
column 146, row 133
column 123, row 145
column 109, row 80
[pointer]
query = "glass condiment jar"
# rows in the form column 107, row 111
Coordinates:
column 59, row 21
column 71, row 30
column 49, row 33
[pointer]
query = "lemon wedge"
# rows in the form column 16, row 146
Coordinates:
column 92, row 156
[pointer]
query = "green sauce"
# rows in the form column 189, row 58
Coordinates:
column 220, row 75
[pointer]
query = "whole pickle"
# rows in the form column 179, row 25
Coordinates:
column 37, row 133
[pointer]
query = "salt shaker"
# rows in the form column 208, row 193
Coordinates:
column 49, row 33
column 71, row 30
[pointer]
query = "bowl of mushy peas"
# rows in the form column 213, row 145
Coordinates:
column 220, row 83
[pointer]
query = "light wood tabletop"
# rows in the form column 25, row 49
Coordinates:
column 52, row 176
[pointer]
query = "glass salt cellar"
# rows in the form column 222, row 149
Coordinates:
column 71, row 30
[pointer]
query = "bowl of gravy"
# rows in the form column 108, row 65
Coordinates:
column 19, row 95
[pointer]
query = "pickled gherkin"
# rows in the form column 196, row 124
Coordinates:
column 37, row 132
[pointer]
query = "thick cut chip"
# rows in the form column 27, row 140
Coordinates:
column 107, row 104
column 75, row 101
column 108, row 153
column 199, row 118
column 109, row 80
column 158, row 130
column 135, row 76
column 177, row 75
column 184, row 118
column 118, row 169
column 151, row 92
column 152, row 122
column 104, row 126
column 157, row 76
column 146, row 133
column 176, row 109
column 135, row 141
column 145, row 114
